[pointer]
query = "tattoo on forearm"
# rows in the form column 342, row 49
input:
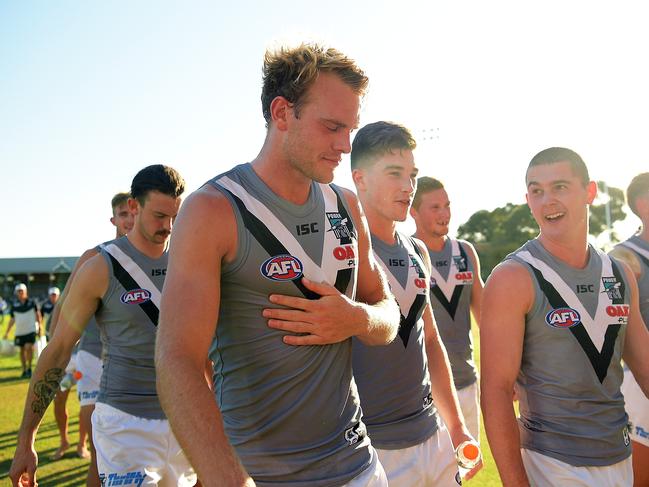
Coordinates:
column 45, row 390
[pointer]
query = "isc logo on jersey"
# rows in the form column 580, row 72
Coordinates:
column 563, row 318
column 282, row 268
column 136, row 296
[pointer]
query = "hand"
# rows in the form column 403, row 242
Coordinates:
column 458, row 436
column 23, row 468
column 331, row 318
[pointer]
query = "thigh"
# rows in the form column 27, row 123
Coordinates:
column 402, row 467
column 129, row 449
column 179, row 471
column 373, row 476
column 90, row 368
column 440, row 458
column 637, row 407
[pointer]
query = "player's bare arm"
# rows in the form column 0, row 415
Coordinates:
column 87, row 255
column 508, row 295
column 636, row 341
column 84, row 296
column 373, row 318
column 188, row 320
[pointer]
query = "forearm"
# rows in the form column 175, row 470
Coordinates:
column 503, row 435
column 43, row 386
column 379, row 322
column 197, row 423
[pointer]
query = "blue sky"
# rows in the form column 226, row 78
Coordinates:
column 90, row 92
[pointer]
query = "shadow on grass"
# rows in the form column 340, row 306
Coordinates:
column 70, row 476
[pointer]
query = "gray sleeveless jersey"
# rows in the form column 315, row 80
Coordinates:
column 292, row 413
column 393, row 380
column 90, row 340
column 641, row 248
column 450, row 295
column 571, row 407
column 127, row 319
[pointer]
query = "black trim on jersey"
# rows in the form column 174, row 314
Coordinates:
column 129, row 283
column 618, row 276
column 599, row 361
column 406, row 324
column 451, row 307
column 343, row 276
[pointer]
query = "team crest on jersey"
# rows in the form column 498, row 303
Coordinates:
column 283, row 267
column 136, row 296
column 339, row 225
column 433, row 282
column 415, row 264
column 612, row 287
column 563, row 318
column 460, row 263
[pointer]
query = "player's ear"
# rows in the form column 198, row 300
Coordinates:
column 280, row 111
column 358, row 175
column 591, row 190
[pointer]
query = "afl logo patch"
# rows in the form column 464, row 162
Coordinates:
column 136, row 296
column 282, row 268
column 563, row 318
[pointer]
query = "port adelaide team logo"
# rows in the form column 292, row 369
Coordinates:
column 612, row 287
column 136, row 296
column 338, row 225
column 563, row 318
column 282, row 268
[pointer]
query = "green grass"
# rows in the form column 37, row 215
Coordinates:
column 71, row 470
column 68, row 471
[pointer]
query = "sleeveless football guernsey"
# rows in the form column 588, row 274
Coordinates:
column 291, row 412
column 641, row 248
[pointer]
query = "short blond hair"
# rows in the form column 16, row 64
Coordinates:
column 290, row 71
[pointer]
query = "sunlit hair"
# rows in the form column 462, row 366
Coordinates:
column 157, row 177
column 377, row 139
column 638, row 188
column 425, row 185
column 119, row 199
column 554, row 155
column 290, row 71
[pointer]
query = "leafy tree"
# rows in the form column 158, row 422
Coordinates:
column 499, row 232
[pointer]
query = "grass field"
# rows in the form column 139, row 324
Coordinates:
column 71, row 470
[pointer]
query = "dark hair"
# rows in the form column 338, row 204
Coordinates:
column 119, row 199
column 289, row 72
column 554, row 155
column 157, row 177
column 638, row 187
column 425, row 185
column 378, row 138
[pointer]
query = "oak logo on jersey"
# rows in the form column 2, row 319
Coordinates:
column 338, row 225
column 283, row 267
column 619, row 311
column 563, row 318
column 136, row 296
column 345, row 252
column 612, row 287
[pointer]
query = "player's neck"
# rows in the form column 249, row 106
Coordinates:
column 280, row 177
column 435, row 243
column 381, row 227
column 153, row 250
column 573, row 252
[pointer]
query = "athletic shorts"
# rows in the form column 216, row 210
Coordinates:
column 90, row 368
column 544, row 471
column 470, row 405
column 637, row 407
column 372, row 476
column 431, row 463
column 137, row 451
column 22, row 340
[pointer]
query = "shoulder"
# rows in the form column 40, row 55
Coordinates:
column 350, row 199
column 509, row 275
column 620, row 253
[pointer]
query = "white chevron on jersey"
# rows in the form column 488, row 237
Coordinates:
column 327, row 271
column 405, row 296
column 135, row 271
column 638, row 249
column 595, row 326
column 448, row 285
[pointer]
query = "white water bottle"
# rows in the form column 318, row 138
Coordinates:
column 467, row 455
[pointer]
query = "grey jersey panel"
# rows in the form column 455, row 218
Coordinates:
column 393, row 380
column 128, row 336
column 291, row 413
column 641, row 249
column 450, row 296
column 571, row 407
column 90, row 340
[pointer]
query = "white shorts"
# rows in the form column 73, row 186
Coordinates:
column 137, row 451
column 544, row 471
column 470, row 405
column 88, row 385
column 373, row 476
column 72, row 364
column 429, row 463
column 637, row 407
